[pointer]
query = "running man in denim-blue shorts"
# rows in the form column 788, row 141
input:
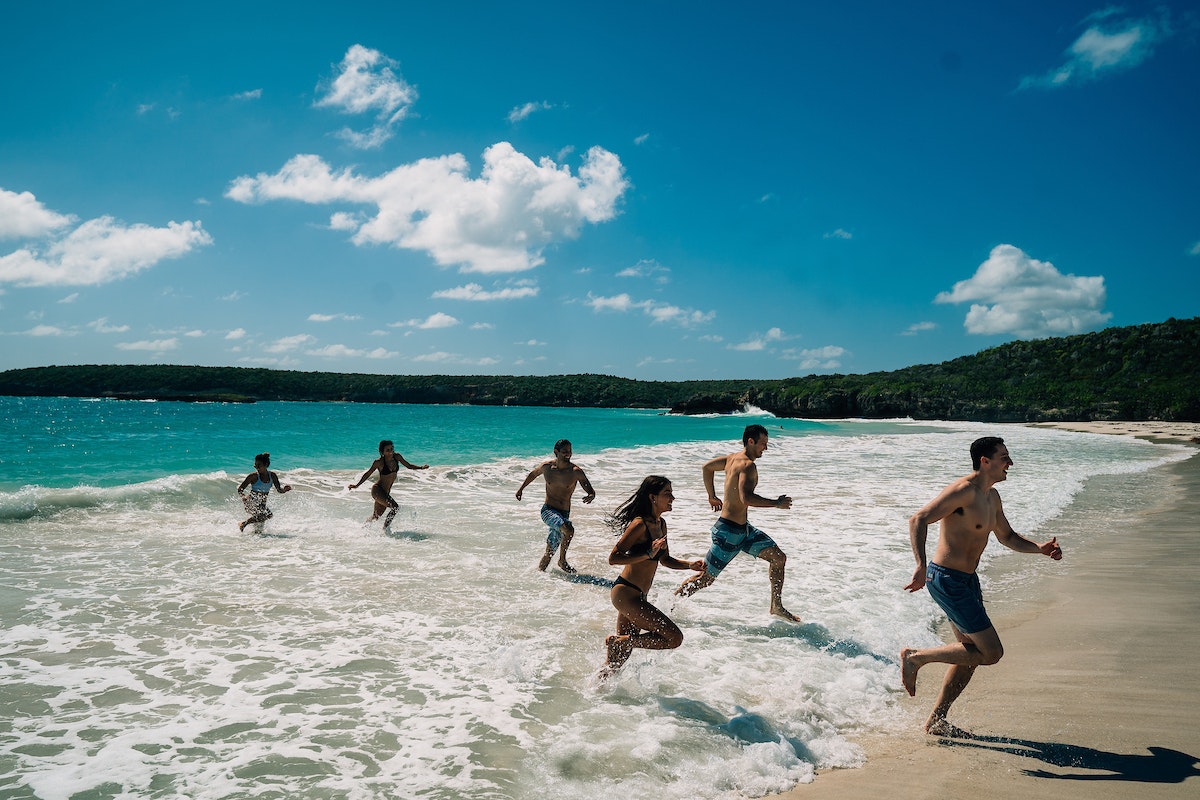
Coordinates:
column 561, row 478
column 733, row 533
column 969, row 510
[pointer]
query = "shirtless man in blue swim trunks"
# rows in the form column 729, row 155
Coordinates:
column 733, row 532
column 969, row 510
column 561, row 479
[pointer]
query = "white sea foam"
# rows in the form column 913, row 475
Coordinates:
column 151, row 650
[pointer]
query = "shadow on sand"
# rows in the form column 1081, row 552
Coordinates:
column 1162, row 765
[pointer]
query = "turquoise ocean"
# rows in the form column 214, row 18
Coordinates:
column 148, row 649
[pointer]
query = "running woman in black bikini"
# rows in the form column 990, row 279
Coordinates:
column 642, row 548
column 388, row 464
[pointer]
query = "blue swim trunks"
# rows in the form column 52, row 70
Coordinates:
column 554, row 518
column 729, row 539
column 959, row 595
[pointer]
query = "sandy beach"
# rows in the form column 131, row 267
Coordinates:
column 1097, row 695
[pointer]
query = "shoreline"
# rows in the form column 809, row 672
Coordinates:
column 1094, row 698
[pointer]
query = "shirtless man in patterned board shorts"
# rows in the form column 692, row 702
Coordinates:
column 733, row 533
column 561, row 478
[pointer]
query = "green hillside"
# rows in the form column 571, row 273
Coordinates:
column 1141, row 372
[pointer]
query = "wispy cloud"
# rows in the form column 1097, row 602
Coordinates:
column 342, row 351
column 840, row 233
column 235, row 334
column 828, row 357
column 365, row 82
column 658, row 312
column 1195, row 251
column 523, row 112
column 1011, row 293
column 289, row 343
column 475, row 292
column 71, row 298
column 48, row 330
column 499, row 222
column 759, row 342
column 1112, row 43
column 918, row 327
column 647, row 268
column 151, row 346
column 101, row 326
column 332, row 317
column 253, row 94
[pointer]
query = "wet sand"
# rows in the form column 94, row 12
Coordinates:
column 1097, row 695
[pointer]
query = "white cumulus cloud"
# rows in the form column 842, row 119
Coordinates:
column 499, row 222
column 432, row 322
column 367, row 83
column 99, row 251
column 22, row 216
column 1011, row 293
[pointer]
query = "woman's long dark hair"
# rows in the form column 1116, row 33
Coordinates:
column 638, row 504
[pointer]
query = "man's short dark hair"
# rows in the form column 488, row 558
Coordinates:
column 561, row 443
column 984, row 448
column 754, row 432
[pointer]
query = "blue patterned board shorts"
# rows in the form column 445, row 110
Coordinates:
column 729, row 539
column 554, row 519
column 959, row 595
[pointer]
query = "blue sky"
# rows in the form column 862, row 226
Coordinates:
column 665, row 190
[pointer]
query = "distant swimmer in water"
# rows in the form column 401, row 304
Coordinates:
column 388, row 464
column 733, row 533
column 561, row 478
column 641, row 549
column 260, row 482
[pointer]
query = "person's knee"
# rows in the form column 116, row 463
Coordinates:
column 674, row 638
column 991, row 654
column 775, row 557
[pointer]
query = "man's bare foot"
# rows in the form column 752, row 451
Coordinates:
column 908, row 672
column 940, row 726
column 545, row 562
column 242, row 526
column 780, row 611
column 567, row 568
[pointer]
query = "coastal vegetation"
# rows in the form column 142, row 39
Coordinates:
column 1142, row 372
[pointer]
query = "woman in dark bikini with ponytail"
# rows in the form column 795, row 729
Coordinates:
column 641, row 549
column 388, row 464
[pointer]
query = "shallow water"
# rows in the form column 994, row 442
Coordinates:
column 149, row 649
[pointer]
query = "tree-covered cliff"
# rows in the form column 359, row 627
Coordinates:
column 1136, row 373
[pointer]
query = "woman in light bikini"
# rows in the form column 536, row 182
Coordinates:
column 260, row 482
column 388, row 464
column 641, row 549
